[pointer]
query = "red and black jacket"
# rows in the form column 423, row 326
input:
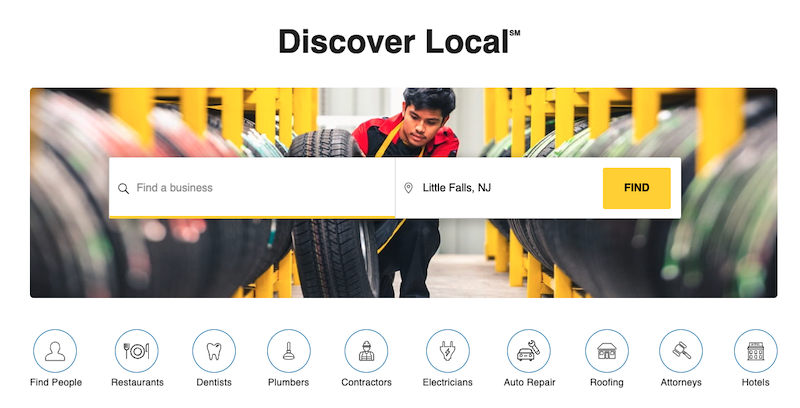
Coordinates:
column 371, row 134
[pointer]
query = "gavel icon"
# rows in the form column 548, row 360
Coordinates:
column 679, row 349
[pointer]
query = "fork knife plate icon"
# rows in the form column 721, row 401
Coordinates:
column 137, row 351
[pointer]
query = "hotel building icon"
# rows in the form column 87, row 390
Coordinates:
column 755, row 351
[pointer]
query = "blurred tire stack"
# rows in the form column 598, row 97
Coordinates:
column 77, row 251
column 725, row 244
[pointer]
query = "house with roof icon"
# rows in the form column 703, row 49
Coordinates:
column 607, row 351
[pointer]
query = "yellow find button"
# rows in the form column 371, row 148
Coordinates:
column 636, row 189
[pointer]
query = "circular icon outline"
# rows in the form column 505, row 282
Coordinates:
column 469, row 351
column 737, row 342
column 73, row 343
column 627, row 355
column 384, row 342
column 234, row 351
column 307, row 342
column 158, row 350
column 549, row 351
column 662, row 358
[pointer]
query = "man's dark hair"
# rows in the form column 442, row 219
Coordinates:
column 443, row 99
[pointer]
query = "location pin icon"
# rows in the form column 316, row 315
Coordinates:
column 408, row 187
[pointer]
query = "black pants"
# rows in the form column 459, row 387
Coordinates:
column 410, row 252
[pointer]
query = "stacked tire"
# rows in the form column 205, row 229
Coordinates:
column 335, row 257
column 77, row 251
column 725, row 244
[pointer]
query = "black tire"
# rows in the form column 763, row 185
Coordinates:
column 325, row 143
column 502, row 227
column 616, row 258
column 335, row 258
column 626, row 258
column 527, row 230
column 728, row 217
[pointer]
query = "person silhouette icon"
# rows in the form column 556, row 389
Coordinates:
column 55, row 353
column 366, row 355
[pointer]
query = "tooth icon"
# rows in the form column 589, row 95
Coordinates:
column 213, row 350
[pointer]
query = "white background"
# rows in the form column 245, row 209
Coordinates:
column 618, row 43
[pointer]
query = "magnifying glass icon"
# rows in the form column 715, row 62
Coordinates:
column 123, row 188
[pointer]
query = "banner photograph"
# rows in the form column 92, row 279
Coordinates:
column 718, row 241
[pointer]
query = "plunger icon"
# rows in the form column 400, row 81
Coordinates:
column 288, row 355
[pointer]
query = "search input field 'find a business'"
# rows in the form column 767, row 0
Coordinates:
column 394, row 188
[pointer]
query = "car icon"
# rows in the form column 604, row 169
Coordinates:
column 525, row 354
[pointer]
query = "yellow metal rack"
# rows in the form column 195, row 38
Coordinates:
column 497, row 113
column 296, row 109
column 720, row 127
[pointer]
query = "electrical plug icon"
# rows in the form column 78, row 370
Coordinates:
column 447, row 351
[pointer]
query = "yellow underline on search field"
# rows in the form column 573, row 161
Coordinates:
column 247, row 217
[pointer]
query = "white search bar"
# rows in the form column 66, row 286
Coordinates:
column 383, row 188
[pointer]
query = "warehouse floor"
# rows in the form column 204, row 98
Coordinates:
column 461, row 276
